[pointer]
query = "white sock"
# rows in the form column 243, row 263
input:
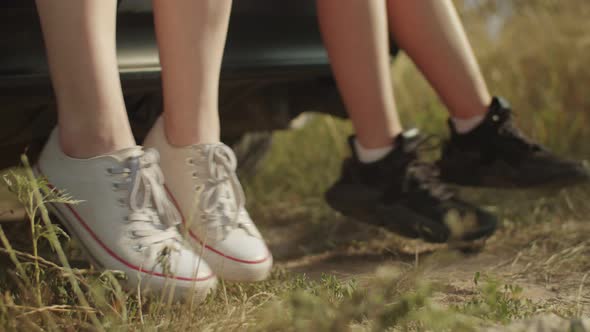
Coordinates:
column 466, row 125
column 367, row 156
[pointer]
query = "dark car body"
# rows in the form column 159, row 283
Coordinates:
column 274, row 68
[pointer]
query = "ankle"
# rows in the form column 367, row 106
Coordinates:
column 465, row 125
column 186, row 133
column 371, row 155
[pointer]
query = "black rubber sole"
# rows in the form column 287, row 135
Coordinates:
column 365, row 206
column 503, row 176
column 495, row 182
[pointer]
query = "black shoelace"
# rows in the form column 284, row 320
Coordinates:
column 424, row 175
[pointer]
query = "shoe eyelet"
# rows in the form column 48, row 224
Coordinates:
column 190, row 161
column 109, row 171
column 115, row 187
column 495, row 118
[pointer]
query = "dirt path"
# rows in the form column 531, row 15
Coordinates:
column 549, row 263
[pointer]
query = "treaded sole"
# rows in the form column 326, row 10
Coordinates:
column 466, row 178
column 366, row 207
column 345, row 199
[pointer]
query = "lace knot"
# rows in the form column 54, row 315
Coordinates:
column 223, row 197
column 153, row 215
column 147, row 188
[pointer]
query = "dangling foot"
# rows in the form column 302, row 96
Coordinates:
column 125, row 220
column 405, row 196
column 202, row 181
column 497, row 154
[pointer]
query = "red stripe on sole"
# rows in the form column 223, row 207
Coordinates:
column 196, row 238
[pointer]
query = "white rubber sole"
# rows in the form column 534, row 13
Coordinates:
column 233, row 269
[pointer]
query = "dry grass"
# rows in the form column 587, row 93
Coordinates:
column 335, row 275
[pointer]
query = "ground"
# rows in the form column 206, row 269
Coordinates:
column 334, row 274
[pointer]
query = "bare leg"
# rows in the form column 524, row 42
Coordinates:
column 80, row 39
column 356, row 36
column 191, row 36
column 432, row 34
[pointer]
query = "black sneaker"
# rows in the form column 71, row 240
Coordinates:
column 497, row 154
column 405, row 196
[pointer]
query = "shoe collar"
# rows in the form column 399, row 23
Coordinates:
column 407, row 141
column 498, row 113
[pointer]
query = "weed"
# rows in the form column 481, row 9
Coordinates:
column 500, row 303
column 538, row 61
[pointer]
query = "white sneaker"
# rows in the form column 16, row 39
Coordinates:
column 125, row 220
column 202, row 182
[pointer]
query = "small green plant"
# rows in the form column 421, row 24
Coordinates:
column 499, row 302
column 544, row 72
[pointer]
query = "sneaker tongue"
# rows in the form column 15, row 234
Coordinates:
column 127, row 153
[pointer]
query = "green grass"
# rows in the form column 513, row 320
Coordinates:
column 336, row 275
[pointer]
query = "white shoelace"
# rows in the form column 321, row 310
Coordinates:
column 215, row 202
column 153, row 216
